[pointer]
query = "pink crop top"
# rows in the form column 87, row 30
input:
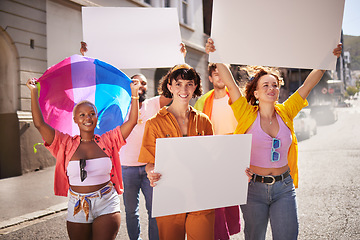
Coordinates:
column 98, row 171
column 261, row 149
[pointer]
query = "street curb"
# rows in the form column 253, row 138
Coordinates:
column 34, row 215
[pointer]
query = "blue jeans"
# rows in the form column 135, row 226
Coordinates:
column 275, row 202
column 135, row 178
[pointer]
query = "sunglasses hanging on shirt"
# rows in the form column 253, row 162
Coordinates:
column 83, row 172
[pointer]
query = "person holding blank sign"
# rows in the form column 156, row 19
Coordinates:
column 181, row 83
column 273, row 171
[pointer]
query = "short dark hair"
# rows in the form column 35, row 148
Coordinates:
column 138, row 75
column 181, row 71
column 211, row 68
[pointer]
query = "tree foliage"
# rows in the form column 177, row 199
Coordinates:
column 352, row 45
column 351, row 90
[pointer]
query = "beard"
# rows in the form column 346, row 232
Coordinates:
column 142, row 97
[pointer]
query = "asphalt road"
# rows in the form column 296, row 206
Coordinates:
column 328, row 193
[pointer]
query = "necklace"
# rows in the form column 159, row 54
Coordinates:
column 85, row 140
column 186, row 115
column 271, row 119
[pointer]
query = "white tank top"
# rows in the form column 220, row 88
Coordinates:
column 98, row 171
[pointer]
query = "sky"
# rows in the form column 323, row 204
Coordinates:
column 351, row 19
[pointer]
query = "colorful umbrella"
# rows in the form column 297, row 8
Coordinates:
column 78, row 78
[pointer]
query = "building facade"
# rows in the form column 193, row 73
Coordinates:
column 36, row 34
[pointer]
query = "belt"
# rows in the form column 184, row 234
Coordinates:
column 270, row 180
column 83, row 200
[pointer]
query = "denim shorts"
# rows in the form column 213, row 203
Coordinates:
column 85, row 207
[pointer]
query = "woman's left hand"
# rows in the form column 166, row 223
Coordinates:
column 135, row 85
column 337, row 51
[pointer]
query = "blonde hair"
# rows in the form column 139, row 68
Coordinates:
column 84, row 102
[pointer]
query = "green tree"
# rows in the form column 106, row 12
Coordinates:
column 351, row 90
column 357, row 84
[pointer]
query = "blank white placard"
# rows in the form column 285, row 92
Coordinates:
column 133, row 37
column 202, row 172
column 281, row 33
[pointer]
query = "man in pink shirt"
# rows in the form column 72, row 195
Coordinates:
column 134, row 174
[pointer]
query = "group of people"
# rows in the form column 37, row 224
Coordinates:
column 90, row 171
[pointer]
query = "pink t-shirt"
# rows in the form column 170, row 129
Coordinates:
column 222, row 116
column 129, row 153
column 261, row 148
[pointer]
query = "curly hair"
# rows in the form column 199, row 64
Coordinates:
column 255, row 73
column 181, row 71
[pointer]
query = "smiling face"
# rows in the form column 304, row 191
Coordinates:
column 182, row 90
column 85, row 116
column 267, row 89
column 143, row 86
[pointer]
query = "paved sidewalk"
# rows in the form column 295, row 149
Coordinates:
column 28, row 197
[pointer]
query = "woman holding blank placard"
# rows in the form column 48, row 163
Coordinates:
column 273, row 171
column 181, row 83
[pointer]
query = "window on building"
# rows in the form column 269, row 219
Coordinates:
column 207, row 15
column 184, row 11
column 167, row 3
column 147, row 1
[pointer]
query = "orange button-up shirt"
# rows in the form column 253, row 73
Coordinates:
column 164, row 124
column 64, row 146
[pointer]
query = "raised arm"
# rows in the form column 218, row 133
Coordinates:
column 315, row 76
column 224, row 73
column 128, row 126
column 46, row 131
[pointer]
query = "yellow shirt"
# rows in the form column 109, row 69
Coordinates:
column 164, row 124
column 246, row 114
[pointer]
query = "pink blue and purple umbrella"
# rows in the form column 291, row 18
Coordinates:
column 78, row 78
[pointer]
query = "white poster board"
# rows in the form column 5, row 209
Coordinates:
column 202, row 172
column 133, row 37
column 281, row 33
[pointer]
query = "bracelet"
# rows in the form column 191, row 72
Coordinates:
column 133, row 97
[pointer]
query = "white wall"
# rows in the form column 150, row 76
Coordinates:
column 63, row 30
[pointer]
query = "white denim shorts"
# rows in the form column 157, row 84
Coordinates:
column 85, row 207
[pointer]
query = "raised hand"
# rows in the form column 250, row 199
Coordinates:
column 183, row 49
column 83, row 48
column 31, row 83
column 135, row 85
column 209, row 46
column 337, row 51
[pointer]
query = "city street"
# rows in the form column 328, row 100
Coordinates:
column 328, row 195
